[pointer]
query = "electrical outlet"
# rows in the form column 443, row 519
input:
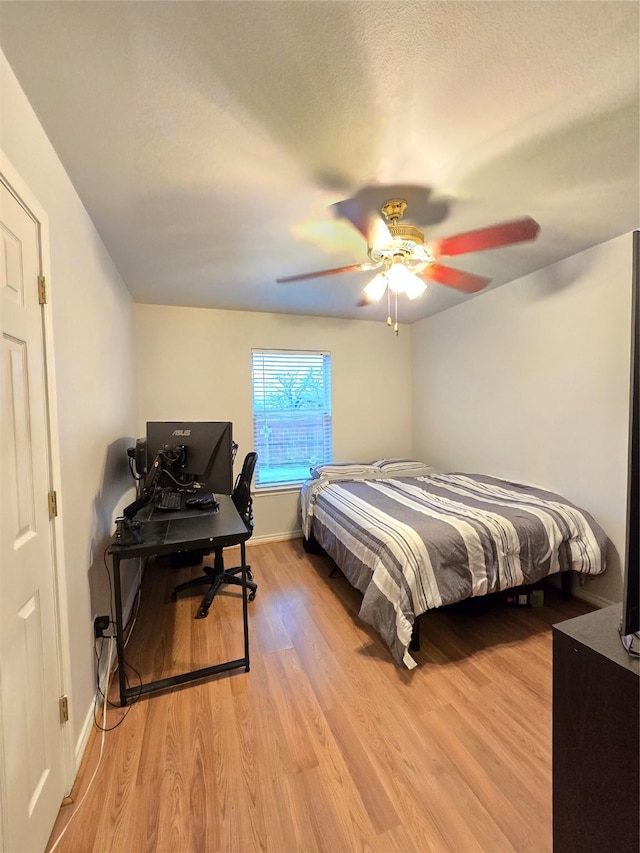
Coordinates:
column 100, row 625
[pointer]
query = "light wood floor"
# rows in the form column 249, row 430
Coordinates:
column 325, row 745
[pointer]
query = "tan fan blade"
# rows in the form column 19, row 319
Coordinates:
column 371, row 225
column 366, row 300
column 378, row 233
column 466, row 281
column 321, row 273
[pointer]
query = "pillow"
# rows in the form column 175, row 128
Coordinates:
column 403, row 468
column 345, row 471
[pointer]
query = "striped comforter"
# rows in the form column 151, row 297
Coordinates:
column 414, row 544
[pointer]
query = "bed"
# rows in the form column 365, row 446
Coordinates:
column 412, row 544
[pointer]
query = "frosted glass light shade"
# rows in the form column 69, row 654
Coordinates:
column 399, row 276
column 398, row 279
column 415, row 288
column 376, row 287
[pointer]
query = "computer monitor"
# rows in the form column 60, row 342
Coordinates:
column 201, row 451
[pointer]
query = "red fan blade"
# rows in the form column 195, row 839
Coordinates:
column 516, row 231
column 336, row 271
column 454, row 278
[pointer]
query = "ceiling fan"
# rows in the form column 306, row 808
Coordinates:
column 406, row 262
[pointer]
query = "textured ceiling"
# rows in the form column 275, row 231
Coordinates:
column 207, row 140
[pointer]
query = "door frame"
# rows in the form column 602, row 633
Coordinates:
column 17, row 186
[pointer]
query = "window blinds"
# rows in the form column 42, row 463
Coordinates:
column 291, row 414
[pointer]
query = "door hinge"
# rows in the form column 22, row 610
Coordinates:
column 53, row 504
column 42, row 290
column 64, row 709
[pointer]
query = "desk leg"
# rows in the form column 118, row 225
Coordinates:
column 117, row 589
column 245, row 613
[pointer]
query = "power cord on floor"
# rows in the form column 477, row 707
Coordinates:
column 137, row 595
column 102, row 740
column 99, row 691
column 106, row 703
column 127, row 631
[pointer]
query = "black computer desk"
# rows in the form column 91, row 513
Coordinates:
column 169, row 533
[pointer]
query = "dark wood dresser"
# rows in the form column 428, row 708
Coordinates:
column 596, row 737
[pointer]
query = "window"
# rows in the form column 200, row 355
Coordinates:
column 291, row 414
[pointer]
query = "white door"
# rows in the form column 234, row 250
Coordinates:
column 32, row 775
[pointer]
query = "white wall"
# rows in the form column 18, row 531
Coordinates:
column 194, row 364
column 95, row 383
column 531, row 381
column 528, row 381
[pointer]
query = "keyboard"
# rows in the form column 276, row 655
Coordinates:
column 169, row 501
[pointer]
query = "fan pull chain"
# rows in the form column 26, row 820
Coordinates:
column 395, row 328
column 388, row 306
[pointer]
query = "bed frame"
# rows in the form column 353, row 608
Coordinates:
column 312, row 546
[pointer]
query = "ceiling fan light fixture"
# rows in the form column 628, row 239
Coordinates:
column 406, row 261
column 400, row 278
column 376, row 288
column 414, row 288
column 399, row 240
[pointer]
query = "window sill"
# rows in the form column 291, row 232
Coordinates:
column 285, row 488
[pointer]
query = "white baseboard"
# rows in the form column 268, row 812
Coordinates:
column 81, row 743
column 590, row 597
column 106, row 667
column 274, row 537
column 579, row 589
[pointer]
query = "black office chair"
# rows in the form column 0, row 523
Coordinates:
column 215, row 576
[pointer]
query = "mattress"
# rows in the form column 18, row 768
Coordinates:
column 415, row 544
